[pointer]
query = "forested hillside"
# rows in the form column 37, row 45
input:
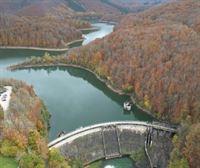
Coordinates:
column 99, row 7
column 11, row 6
column 54, row 23
column 150, row 54
column 41, row 24
column 109, row 6
column 113, row 10
column 155, row 56
column 24, row 125
column 126, row 6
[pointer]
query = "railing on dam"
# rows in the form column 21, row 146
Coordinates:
column 108, row 140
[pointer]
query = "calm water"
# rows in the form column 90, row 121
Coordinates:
column 74, row 97
column 118, row 163
column 105, row 29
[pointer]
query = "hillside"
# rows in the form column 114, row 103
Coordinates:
column 155, row 45
column 153, row 56
column 42, row 24
column 45, row 8
column 24, row 125
column 114, row 10
column 178, row 12
column 21, row 116
column 98, row 6
column 11, row 6
column 144, row 52
column 134, row 5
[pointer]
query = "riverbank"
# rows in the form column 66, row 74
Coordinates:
column 118, row 91
column 109, row 22
column 17, row 67
column 79, row 41
column 89, row 30
column 34, row 48
column 50, row 49
column 43, row 49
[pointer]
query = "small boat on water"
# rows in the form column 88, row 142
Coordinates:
column 127, row 105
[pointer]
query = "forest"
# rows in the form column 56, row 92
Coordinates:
column 41, row 25
column 24, row 125
column 150, row 55
column 54, row 23
column 154, row 56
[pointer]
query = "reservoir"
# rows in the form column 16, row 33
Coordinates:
column 74, row 97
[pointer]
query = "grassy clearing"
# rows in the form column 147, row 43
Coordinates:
column 6, row 162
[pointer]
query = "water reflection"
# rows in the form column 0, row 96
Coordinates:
column 13, row 56
column 91, row 79
column 73, row 96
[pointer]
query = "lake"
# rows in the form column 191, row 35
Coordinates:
column 74, row 97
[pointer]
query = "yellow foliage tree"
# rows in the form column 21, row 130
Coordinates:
column 147, row 103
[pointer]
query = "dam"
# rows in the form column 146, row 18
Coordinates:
column 112, row 140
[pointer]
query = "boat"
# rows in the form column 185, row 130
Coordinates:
column 127, row 105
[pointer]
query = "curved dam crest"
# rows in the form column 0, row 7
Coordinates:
column 112, row 140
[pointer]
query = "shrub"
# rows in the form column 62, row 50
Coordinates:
column 13, row 144
column 33, row 139
column 177, row 160
column 37, row 143
column 9, row 149
column 45, row 121
column 192, row 145
column 56, row 160
column 31, row 161
column 76, row 163
column 147, row 103
column 127, row 88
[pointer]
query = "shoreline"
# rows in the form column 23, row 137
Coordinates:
column 73, row 42
column 118, row 91
column 109, row 22
column 34, row 48
column 17, row 67
column 43, row 49
column 89, row 29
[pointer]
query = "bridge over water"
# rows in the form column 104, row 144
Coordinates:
column 111, row 140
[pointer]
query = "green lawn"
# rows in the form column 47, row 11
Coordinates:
column 7, row 162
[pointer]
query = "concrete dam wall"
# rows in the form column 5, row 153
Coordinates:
column 109, row 140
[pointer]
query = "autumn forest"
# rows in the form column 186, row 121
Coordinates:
column 152, row 55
